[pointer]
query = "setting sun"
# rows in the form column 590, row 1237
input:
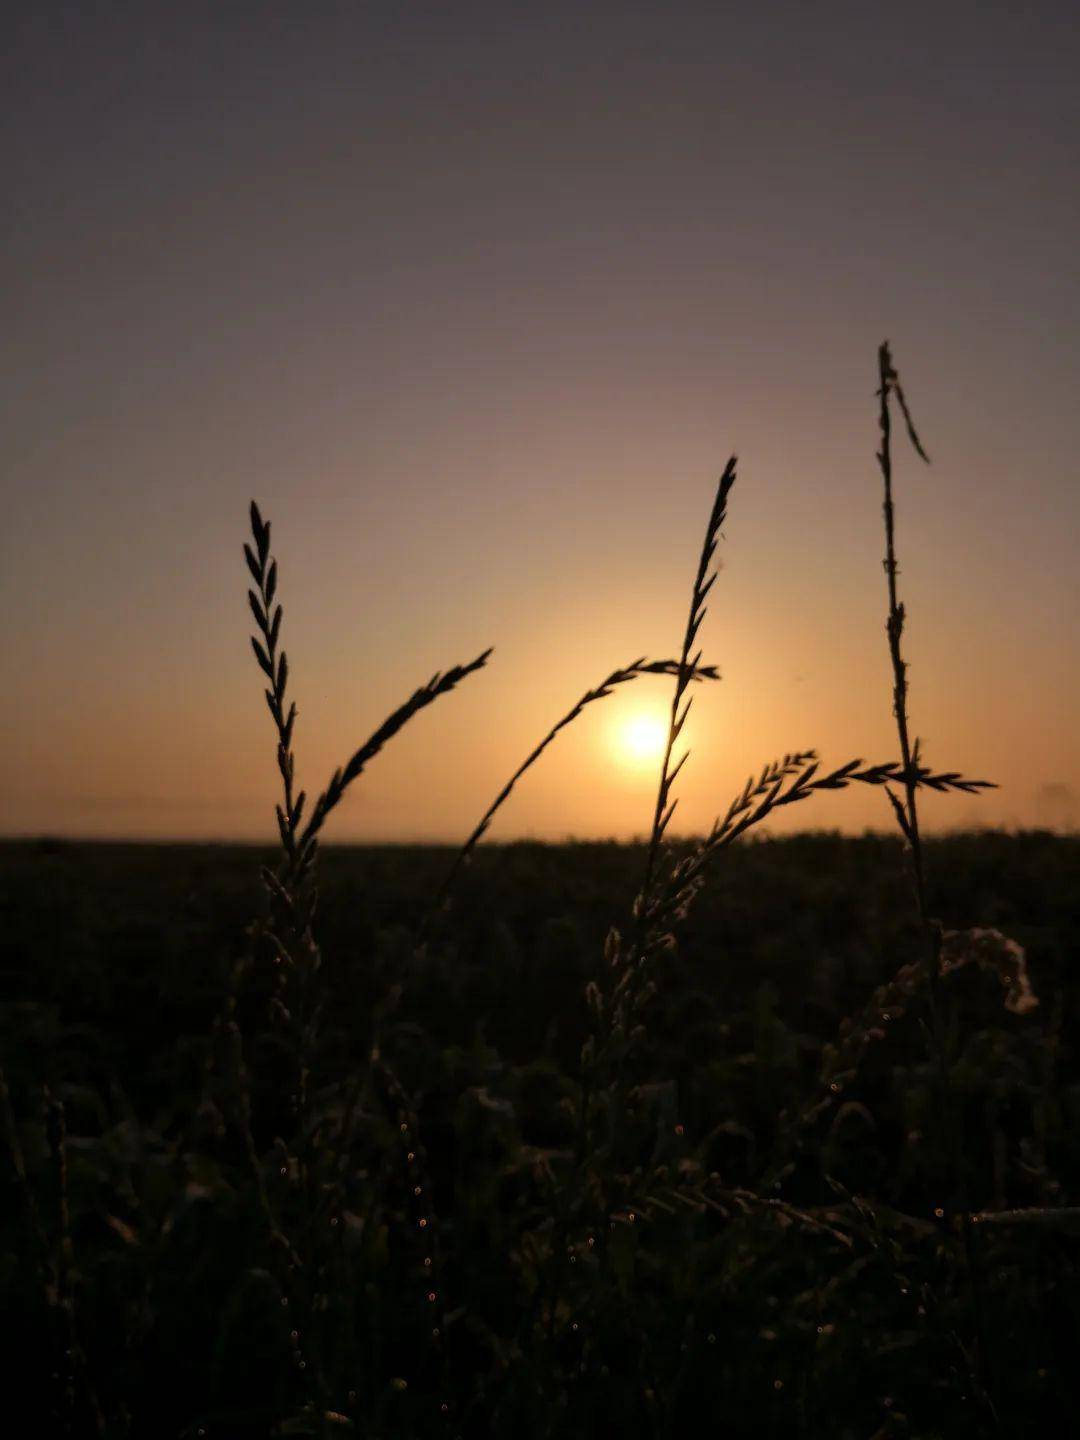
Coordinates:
column 640, row 738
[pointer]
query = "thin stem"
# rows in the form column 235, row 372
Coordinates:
column 907, row 813
column 907, row 816
column 890, row 384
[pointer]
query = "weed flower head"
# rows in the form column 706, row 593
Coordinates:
column 994, row 951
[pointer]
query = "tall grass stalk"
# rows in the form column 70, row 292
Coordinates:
column 907, row 812
column 906, row 809
column 956, row 1207
column 321, row 1156
column 665, row 806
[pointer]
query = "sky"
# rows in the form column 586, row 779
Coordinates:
column 476, row 300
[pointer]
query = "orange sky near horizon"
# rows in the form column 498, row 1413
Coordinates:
column 476, row 306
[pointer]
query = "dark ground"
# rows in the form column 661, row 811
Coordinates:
column 114, row 960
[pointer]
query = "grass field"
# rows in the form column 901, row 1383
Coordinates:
column 725, row 1250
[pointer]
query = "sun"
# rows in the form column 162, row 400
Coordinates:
column 640, row 738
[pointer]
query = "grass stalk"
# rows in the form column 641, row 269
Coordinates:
column 907, row 816
column 664, row 808
column 604, row 1057
column 290, row 936
column 907, row 813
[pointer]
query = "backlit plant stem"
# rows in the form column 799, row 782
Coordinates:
column 907, row 816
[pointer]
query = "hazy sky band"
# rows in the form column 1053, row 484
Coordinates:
column 477, row 300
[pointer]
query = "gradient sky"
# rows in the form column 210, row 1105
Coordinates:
column 477, row 299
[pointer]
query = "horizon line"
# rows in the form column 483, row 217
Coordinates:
column 376, row 843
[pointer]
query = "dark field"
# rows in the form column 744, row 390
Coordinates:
column 762, row 1234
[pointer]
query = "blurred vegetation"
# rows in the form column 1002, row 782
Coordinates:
column 741, row 1247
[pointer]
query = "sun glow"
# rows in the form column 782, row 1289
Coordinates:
column 640, row 738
